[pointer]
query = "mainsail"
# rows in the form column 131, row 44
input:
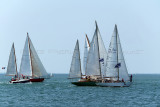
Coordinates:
column 12, row 65
column 25, row 67
column 86, row 49
column 31, row 64
column 93, row 64
column 115, row 57
column 96, row 62
column 102, row 52
column 75, row 70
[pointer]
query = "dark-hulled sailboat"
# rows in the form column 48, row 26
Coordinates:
column 96, row 61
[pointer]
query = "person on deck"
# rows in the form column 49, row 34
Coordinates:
column 122, row 80
column 131, row 78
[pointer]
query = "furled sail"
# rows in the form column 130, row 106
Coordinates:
column 93, row 65
column 12, row 65
column 25, row 67
column 38, row 69
column 75, row 70
column 102, row 52
column 115, row 57
column 86, row 49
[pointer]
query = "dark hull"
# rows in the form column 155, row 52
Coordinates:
column 85, row 83
column 37, row 80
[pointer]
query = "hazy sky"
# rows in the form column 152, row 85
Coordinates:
column 55, row 25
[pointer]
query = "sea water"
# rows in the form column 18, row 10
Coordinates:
column 59, row 92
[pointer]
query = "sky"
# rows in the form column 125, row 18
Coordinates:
column 55, row 25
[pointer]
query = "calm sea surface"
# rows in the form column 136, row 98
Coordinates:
column 58, row 92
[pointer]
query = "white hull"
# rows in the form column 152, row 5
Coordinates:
column 114, row 84
column 21, row 81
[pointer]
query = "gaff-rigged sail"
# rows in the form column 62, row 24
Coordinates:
column 114, row 57
column 75, row 70
column 86, row 50
column 12, row 65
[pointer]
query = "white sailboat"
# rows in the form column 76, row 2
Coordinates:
column 12, row 68
column 31, row 65
column 116, row 70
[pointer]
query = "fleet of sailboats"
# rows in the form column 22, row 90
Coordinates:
column 101, row 68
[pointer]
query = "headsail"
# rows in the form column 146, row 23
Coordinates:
column 123, row 72
column 25, row 67
column 102, row 52
column 12, row 65
column 86, row 49
column 93, row 65
column 31, row 64
column 75, row 70
column 114, row 57
column 38, row 69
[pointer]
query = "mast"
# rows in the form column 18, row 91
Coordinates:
column 117, row 48
column 98, row 48
column 15, row 60
column 30, row 54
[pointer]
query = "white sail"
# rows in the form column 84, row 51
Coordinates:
column 102, row 52
column 123, row 72
column 86, row 49
column 114, row 58
column 75, row 70
column 38, row 69
column 12, row 65
column 111, row 71
column 25, row 67
column 93, row 65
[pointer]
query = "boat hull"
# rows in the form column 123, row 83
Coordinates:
column 114, row 84
column 20, row 81
column 36, row 79
column 84, row 83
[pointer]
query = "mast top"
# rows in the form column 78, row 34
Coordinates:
column 77, row 41
column 13, row 44
column 96, row 24
column 116, row 28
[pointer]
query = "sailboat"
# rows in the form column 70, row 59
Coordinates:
column 12, row 68
column 95, row 61
column 116, row 70
column 31, row 65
